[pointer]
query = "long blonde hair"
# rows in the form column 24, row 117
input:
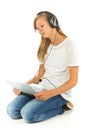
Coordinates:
column 45, row 42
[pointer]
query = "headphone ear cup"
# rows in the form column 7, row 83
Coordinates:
column 53, row 22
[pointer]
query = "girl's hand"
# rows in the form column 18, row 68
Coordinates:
column 44, row 95
column 16, row 91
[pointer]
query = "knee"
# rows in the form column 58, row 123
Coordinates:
column 29, row 116
column 11, row 111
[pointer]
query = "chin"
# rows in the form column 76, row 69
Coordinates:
column 44, row 36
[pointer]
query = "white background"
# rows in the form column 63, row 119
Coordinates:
column 18, row 48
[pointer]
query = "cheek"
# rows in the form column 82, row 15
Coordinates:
column 47, row 32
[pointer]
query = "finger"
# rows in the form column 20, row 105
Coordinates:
column 16, row 91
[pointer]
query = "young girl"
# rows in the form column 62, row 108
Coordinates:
column 58, row 74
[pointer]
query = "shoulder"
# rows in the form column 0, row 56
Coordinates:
column 70, row 43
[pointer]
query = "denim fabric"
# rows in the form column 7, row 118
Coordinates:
column 33, row 110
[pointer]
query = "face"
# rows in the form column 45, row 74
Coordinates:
column 43, row 27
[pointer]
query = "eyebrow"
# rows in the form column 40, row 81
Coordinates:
column 39, row 25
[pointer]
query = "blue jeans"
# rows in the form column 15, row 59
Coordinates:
column 33, row 110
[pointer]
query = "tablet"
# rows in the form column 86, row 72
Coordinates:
column 26, row 88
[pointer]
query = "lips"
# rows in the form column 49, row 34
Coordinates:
column 42, row 33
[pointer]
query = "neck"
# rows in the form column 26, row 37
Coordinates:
column 58, row 38
column 53, row 37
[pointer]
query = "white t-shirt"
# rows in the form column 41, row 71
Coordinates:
column 59, row 59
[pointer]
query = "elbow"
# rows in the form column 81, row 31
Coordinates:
column 74, row 82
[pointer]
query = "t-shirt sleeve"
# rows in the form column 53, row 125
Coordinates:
column 73, row 56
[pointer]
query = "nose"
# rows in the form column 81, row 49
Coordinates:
column 40, row 30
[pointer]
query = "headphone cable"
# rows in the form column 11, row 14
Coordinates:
column 40, row 80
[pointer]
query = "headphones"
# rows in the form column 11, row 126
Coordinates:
column 53, row 22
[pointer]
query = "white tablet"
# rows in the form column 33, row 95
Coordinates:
column 26, row 88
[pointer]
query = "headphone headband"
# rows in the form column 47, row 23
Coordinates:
column 51, row 18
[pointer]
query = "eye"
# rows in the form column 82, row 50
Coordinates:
column 40, row 27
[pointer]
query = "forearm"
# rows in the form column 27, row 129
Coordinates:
column 35, row 79
column 37, row 76
column 65, row 87
column 68, row 84
column 30, row 81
